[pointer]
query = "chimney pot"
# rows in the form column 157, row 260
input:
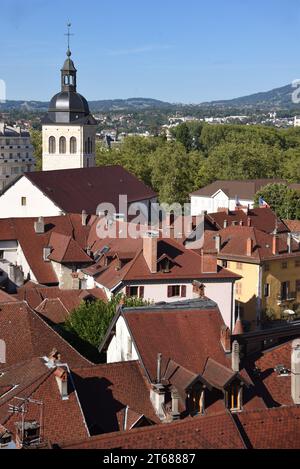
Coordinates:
column 150, row 250
column 218, row 243
column 235, row 356
column 39, row 226
column 84, row 217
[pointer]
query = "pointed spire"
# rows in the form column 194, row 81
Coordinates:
column 238, row 328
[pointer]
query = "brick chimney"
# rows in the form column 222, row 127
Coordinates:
column 198, row 288
column 275, row 244
column 150, row 250
column 295, row 371
column 84, row 217
column 249, row 247
column 226, row 338
column 225, row 224
column 209, row 263
column 39, row 226
column 54, row 357
column 61, row 375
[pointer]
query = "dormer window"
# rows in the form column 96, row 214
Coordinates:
column 233, row 396
column 195, row 399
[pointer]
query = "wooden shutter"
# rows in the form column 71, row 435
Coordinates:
column 183, row 291
column 127, row 291
column 142, row 292
column 169, row 291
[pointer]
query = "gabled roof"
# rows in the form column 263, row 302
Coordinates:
column 70, row 299
column 66, row 233
column 106, row 390
column 186, row 263
column 26, row 336
column 220, row 376
column 173, row 330
column 74, row 190
column 244, row 189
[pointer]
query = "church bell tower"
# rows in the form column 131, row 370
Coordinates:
column 69, row 129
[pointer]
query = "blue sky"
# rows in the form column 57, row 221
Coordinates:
column 174, row 50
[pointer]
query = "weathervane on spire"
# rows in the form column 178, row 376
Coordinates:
column 69, row 34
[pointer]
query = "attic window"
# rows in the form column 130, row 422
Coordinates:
column 23, row 201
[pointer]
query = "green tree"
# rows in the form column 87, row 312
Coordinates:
column 91, row 320
column 36, row 140
column 284, row 201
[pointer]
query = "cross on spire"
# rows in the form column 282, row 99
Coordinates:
column 69, row 34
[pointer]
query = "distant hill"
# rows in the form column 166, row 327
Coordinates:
column 95, row 106
column 276, row 99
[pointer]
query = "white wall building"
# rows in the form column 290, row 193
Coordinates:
column 227, row 195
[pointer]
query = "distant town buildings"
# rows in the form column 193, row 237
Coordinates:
column 16, row 154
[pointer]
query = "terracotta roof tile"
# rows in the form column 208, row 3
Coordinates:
column 26, row 336
column 208, row 432
column 102, row 184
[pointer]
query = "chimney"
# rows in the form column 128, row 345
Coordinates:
column 241, row 222
column 198, row 288
column 226, row 338
column 157, row 392
column 39, row 226
column 289, row 242
column 249, row 247
column 84, row 217
column 150, row 250
column 274, row 244
column 209, row 263
column 249, row 221
column 218, row 243
column 295, row 371
column 46, row 253
column 54, row 357
column 61, row 376
column 225, row 224
column 158, row 369
column 235, row 356
column 175, row 404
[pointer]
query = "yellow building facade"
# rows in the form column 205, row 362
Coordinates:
column 268, row 289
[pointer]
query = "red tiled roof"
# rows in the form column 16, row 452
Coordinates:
column 5, row 297
column 53, row 310
column 74, row 190
column 106, row 390
column 234, row 244
column 203, row 432
column 66, row 249
column 244, row 189
column 187, row 336
column 62, row 419
column 26, row 336
column 277, row 428
column 70, row 299
column 263, row 219
column 293, row 225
